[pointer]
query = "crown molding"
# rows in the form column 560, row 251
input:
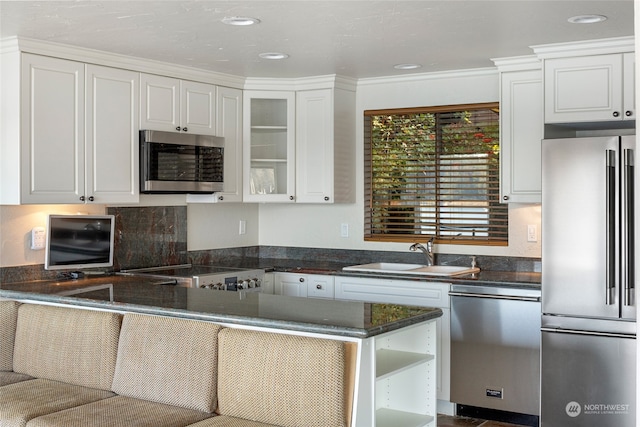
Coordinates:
column 585, row 48
column 412, row 78
column 518, row 63
column 98, row 57
column 302, row 83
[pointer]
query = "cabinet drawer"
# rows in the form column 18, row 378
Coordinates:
column 319, row 286
column 408, row 292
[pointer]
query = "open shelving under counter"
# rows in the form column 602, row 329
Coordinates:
column 398, row 358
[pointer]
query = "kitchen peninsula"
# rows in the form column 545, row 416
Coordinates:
column 396, row 344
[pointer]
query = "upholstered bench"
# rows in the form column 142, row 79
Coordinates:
column 70, row 353
column 165, row 376
column 8, row 320
column 268, row 379
column 82, row 368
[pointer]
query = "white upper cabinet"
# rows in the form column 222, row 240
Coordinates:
column 229, row 126
column 590, row 88
column 175, row 105
column 53, row 149
column 629, row 85
column 521, row 131
column 269, row 146
column 197, row 107
column 300, row 145
column 325, row 146
column 111, row 148
column 49, row 155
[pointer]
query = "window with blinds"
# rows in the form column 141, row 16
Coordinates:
column 434, row 172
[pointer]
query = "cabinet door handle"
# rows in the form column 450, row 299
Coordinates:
column 82, row 199
column 301, row 280
column 505, row 197
column 290, row 197
column 326, row 198
column 616, row 114
column 628, row 113
column 184, row 129
column 221, row 198
column 178, row 128
column 91, row 199
column 318, row 286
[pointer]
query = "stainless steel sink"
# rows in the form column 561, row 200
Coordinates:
column 416, row 269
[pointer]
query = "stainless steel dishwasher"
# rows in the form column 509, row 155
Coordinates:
column 495, row 352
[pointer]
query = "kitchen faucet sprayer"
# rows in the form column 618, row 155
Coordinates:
column 428, row 251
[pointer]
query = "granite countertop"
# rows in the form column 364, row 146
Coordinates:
column 512, row 279
column 148, row 296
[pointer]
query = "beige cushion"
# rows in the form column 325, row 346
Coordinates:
column 121, row 411
column 168, row 360
column 285, row 380
column 66, row 344
column 26, row 400
column 224, row 421
column 12, row 377
column 8, row 318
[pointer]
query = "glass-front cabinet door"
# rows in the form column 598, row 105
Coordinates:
column 269, row 150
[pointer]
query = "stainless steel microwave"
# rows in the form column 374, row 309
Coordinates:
column 175, row 163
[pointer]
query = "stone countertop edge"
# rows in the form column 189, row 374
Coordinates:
column 343, row 331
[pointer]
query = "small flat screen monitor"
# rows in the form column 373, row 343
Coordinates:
column 79, row 241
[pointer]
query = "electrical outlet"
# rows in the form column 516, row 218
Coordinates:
column 37, row 238
column 532, row 233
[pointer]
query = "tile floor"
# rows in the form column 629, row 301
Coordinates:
column 448, row 421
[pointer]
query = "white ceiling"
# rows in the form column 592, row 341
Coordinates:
column 352, row 38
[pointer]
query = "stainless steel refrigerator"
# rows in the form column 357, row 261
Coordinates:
column 588, row 335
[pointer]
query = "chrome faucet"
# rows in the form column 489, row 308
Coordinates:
column 428, row 251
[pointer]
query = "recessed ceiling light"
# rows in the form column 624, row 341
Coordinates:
column 587, row 19
column 273, row 55
column 240, row 20
column 407, row 66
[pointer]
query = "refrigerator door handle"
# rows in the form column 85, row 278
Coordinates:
column 629, row 228
column 610, row 250
column 588, row 333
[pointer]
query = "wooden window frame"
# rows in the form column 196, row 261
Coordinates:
column 432, row 188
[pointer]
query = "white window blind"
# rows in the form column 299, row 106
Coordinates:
column 434, row 172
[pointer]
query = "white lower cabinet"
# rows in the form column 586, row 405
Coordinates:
column 304, row 285
column 267, row 283
column 320, row 286
column 290, row 284
column 408, row 292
